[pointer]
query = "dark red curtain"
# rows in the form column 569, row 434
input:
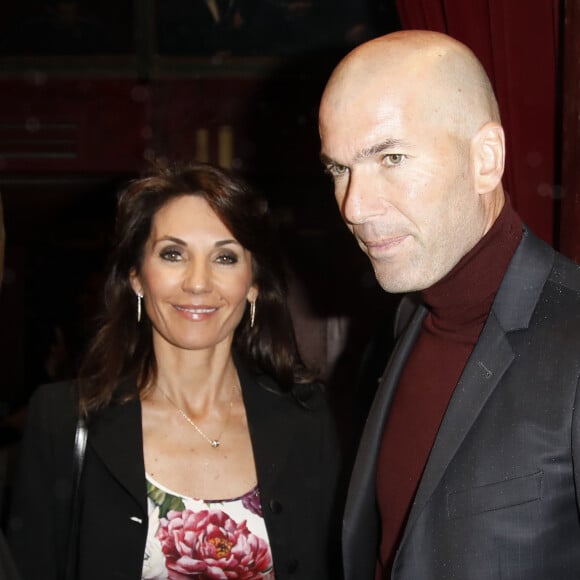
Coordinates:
column 517, row 42
column 570, row 198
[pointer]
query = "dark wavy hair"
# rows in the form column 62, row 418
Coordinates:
column 123, row 348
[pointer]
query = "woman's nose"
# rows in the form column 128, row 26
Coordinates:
column 197, row 278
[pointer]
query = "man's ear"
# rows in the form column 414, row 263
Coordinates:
column 488, row 154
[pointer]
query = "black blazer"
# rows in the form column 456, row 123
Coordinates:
column 296, row 454
column 499, row 495
column 7, row 567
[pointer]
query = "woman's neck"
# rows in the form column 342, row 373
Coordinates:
column 196, row 378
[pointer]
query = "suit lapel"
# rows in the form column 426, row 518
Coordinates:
column 490, row 359
column 360, row 534
column 116, row 437
column 512, row 310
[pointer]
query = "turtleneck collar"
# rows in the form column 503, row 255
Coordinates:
column 460, row 302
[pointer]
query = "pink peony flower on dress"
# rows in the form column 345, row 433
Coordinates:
column 251, row 501
column 210, row 544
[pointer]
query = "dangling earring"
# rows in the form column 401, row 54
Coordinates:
column 252, row 313
column 139, row 298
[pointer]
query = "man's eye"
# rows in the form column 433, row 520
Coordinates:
column 171, row 255
column 394, row 158
column 336, row 170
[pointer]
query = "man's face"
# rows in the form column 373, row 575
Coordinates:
column 403, row 181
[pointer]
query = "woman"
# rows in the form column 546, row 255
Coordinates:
column 210, row 454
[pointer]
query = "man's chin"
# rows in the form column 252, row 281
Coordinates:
column 396, row 281
column 391, row 283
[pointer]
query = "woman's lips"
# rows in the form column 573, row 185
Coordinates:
column 196, row 312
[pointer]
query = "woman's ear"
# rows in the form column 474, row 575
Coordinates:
column 135, row 282
column 488, row 154
column 253, row 294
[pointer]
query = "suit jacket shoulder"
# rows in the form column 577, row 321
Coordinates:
column 506, row 454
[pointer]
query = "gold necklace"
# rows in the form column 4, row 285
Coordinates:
column 215, row 443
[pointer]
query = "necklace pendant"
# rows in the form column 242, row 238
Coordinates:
column 215, row 443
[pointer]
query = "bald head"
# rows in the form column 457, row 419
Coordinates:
column 440, row 73
column 411, row 135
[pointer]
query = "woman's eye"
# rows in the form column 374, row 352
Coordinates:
column 227, row 259
column 170, row 254
column 394, row 158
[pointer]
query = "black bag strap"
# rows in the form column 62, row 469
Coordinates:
column 78, row 461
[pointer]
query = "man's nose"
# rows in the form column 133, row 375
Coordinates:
column 362, row 198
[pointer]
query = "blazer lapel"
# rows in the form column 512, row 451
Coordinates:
column 271, row 428
column 116, row 436
column 492, row 356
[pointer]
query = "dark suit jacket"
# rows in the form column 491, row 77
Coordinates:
column 7, row 567
column 296, row 459
column 498, row 499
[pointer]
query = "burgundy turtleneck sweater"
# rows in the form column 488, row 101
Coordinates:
column 458, row 306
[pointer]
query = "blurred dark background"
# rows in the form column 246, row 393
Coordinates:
column 91, row 93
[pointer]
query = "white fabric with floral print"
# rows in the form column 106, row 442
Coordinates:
column 202, row 539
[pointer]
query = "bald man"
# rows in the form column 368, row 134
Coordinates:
column 469, row 463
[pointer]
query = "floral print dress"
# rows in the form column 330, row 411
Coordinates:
column 195, row 538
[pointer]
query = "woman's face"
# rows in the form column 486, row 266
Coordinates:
column 195, row 278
